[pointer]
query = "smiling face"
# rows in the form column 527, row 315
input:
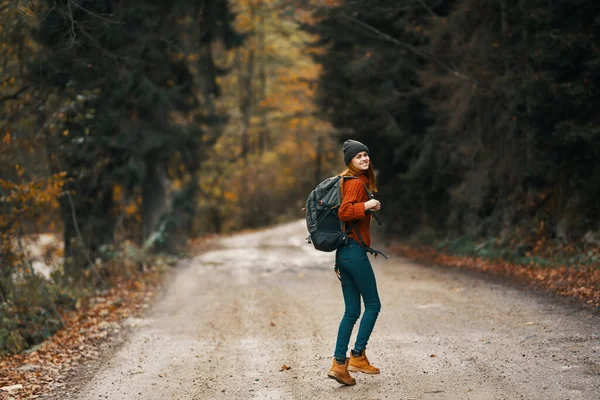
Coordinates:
column 361, row 161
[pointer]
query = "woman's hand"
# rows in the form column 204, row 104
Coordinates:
column 372, row 204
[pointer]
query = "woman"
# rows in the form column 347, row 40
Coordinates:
column 355, row 271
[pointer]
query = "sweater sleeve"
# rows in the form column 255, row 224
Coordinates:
column 353, row 205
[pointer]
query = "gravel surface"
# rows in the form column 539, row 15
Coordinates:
column 230, row 319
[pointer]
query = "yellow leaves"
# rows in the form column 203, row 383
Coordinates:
column 230, row 196
column 294, row 122
column 52, row 184
column 20, row 170
column 270, row 49
column 7, row 138
column 66, row 132
column 244, row 23
column 316, row 51
column 270, row 158
column 131, row 209
column 177, row 184
column 281, row 128
column 117, row 193
column 31, row 198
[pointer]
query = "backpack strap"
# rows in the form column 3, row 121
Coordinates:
column 371, row 197
column 368, row 248
column 354, row 223
column 368, row 194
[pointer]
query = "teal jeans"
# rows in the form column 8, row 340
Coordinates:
column 358, row 280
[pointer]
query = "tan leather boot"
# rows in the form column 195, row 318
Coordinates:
column 339, row 372
column 361, row 364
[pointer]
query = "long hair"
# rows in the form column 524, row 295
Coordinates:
column 351, row 170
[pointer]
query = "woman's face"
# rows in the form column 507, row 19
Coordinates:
column 361, row 161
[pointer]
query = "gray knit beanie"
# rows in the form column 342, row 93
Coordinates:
column 352, row 148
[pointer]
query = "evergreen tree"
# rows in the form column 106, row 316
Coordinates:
column 479, row 112
column 126, row 91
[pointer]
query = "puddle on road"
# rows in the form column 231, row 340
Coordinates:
column 282, row 249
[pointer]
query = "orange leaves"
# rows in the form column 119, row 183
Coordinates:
column 576, row 281
column 46, row 368
column 7, row 138
column 230, row 196
column 20, row 170
column 33, row 194
column 118, row 193
column 243, row 22
column 273, row 143
column 315, row 51
column 26, row 200
column 294, row 122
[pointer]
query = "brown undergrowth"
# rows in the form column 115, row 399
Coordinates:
column 579, row 281
column 46, row 367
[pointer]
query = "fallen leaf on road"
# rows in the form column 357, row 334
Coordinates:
column 48, row 365
column 272, row 323
column 12, row 388
column 162, row 375
column 433, row 356
column 284, row 367
column 529, row 323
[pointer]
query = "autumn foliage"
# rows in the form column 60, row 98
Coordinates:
column 210, row 125
column 78, row 343
column 579, row 281
column 129, row 128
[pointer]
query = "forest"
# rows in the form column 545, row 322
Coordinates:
column 130, row 129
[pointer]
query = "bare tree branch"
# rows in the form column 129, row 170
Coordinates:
column 14, row 95
column 74, row 34
column 411, row 48
column 425, row 6
column 98, row 15
column 80, row 236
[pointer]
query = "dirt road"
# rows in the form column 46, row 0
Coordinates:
column 231, row 318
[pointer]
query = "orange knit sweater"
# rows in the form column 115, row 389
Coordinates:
column 354, row 197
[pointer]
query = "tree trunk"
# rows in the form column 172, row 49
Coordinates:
column 154, row 203
column 265, row 135
column 246, row 74
column 319, row 161
column 89, row 223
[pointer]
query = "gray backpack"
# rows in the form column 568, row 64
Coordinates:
column 326, row 231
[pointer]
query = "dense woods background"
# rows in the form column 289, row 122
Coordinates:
column 129, row 127
column 483, row 114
